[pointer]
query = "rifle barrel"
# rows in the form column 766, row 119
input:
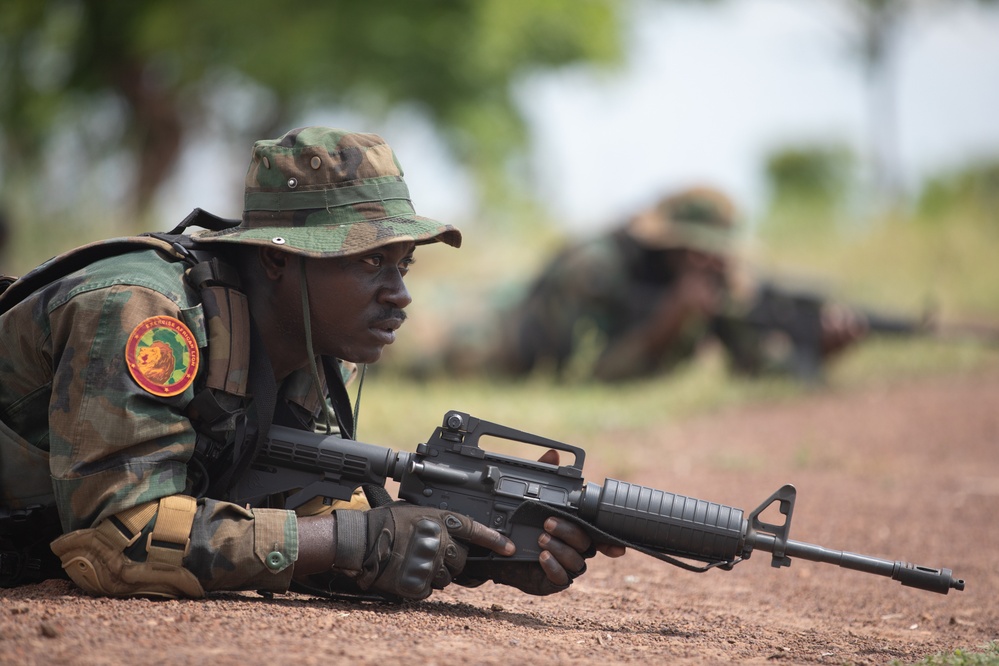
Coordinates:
column 910, row 575
column 687, row 527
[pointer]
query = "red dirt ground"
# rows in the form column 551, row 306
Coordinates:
column 907, row 471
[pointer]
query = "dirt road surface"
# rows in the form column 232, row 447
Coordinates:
column 908, row 471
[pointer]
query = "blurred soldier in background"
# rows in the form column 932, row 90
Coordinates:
column 641, row 298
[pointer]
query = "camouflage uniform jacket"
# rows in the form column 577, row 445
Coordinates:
column 66, row 389
column 585, row 300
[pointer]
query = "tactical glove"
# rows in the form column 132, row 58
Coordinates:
column 401, row 550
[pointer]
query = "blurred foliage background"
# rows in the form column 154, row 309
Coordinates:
column 89, row 85
column 100, row 99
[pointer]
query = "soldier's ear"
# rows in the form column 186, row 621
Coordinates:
column 274, row 262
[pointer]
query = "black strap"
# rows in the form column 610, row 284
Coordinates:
column 339, row 398
column 211, row 271
column 204, row 219
column 6, row 281
column 376, row 495
column 263, row 388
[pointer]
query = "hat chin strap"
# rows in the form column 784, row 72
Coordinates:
column 328, row 414
column 313, row 366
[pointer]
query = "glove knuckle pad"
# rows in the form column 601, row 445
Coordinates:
column 420, row 565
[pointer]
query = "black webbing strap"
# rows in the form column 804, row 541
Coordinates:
column 338, row 396
column 263, row 389
column 213, row 271
column 202, row 218
column 376, row 495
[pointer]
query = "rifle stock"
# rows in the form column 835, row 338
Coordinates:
column 514, row 495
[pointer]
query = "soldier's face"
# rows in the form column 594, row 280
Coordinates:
column 357, row 302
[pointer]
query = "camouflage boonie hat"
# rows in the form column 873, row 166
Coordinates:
column 699, row 218
column 324, row 192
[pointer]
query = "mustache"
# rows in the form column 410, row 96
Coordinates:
column 391, row 316
column 393, row 313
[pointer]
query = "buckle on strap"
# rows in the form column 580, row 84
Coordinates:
column 170, row 539
column 124, row 528
column 12, row 565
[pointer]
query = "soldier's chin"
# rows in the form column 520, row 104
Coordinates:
column 364, row 356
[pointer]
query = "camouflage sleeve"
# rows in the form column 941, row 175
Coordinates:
column 234, row 548
column 115, row 445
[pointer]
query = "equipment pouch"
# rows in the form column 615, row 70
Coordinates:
column 24, row 472
column 28, row 517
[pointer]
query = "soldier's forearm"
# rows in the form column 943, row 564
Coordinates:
column 637, row 352
column 316, row 544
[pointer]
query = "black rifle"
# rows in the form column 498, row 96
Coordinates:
column 797, row 316
column 515, row 495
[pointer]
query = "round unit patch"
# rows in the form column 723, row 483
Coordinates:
column 162, row 356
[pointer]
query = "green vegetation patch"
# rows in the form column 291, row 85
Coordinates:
column 989, row 655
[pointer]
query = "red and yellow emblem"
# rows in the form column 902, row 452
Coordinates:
column 162, row 356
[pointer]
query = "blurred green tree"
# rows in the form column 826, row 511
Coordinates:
column 809, row 187
column 817, row 175
column 130, row 81
column 973, row 188
column 874, row 30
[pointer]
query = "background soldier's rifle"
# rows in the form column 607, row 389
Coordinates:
column 797, row 317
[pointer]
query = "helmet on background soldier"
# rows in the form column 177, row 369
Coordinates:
column 698, row 218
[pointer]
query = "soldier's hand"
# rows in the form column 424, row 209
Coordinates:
column 841, row 327
column 565, row 547
column 406, row 550
column 701, row 282
column 565, row 550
